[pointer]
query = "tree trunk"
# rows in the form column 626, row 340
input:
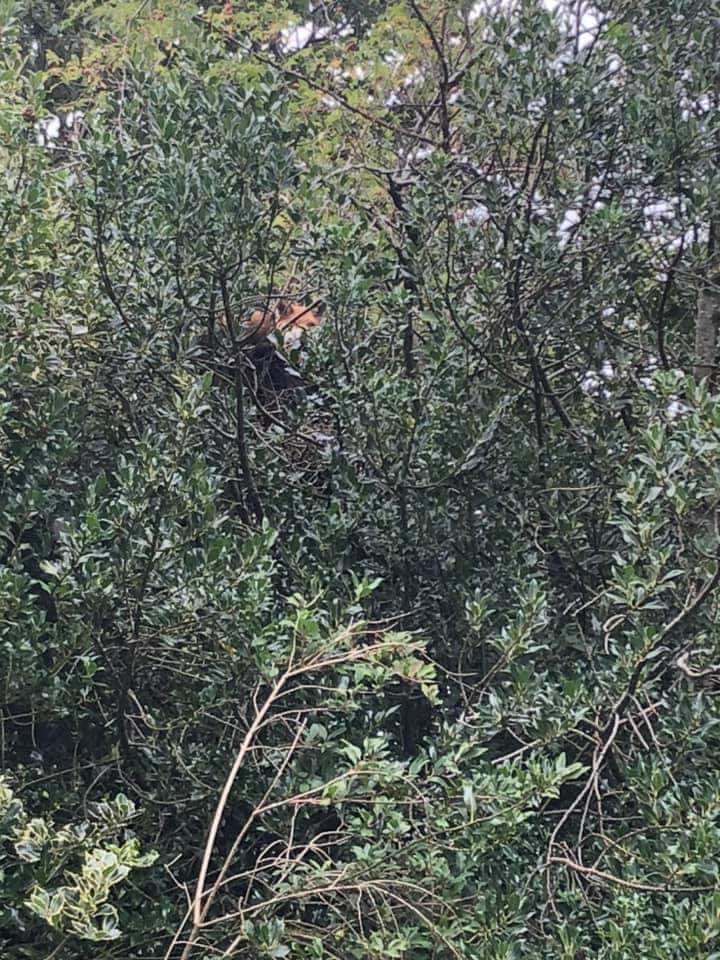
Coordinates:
column 706, row 325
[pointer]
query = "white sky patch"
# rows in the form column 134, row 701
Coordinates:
column 659, row 211
column 594, row 381
column 296, row 36
column 590, row 383
column 570, row 219
column 413, row 77
column 536, row 108
column 582, row 31
column 695, row 108
column 419, row 154
column 675, row 409
column 589, row 28
column 393, row 59
column 563, row 59
column 475, row 216
column 697, row 233
column 48, row 130
column 614, row 65
column 647, row 380
column 593, row 192
column 484, row 7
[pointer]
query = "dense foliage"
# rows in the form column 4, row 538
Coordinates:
column 419, row 658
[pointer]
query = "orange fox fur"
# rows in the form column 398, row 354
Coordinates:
column 291, row 320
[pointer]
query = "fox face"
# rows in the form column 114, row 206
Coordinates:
column 290, row 320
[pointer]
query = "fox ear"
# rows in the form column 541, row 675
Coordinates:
column 283, row 307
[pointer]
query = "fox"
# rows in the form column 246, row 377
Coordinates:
column 290, row 321
column 267, row 339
